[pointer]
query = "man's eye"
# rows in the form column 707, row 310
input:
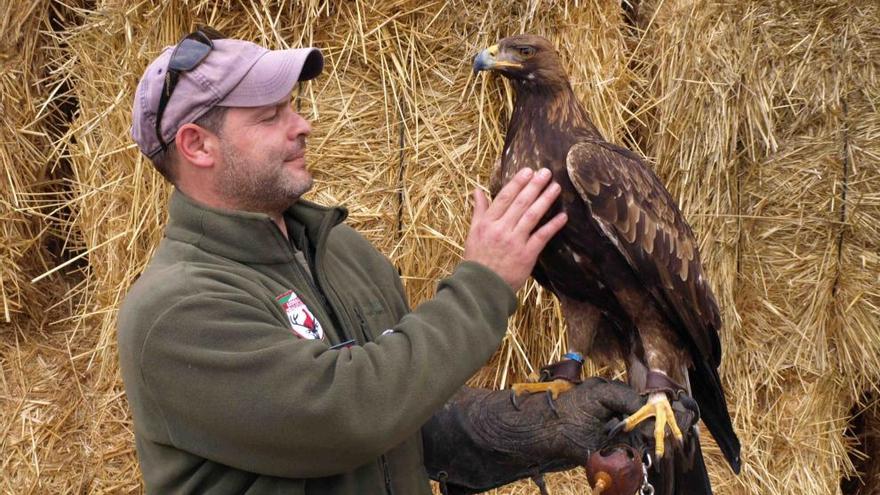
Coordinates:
column 271, row 116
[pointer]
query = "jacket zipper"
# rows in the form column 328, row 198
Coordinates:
column 324, row 287
column 383, row 461
column 332, row 305
column 315, row 285
column 363, row 324
column 387, row 474
column 321, row 296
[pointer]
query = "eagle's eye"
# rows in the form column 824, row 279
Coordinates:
column 526, row 51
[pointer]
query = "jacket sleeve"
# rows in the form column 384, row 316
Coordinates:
column 234, row 386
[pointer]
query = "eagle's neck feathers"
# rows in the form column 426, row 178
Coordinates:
column 547, row 120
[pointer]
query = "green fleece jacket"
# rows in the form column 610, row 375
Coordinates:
column 230, row 354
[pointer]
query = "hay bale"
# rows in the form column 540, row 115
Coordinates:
column 750, row 132
column 686, row 120
column 37, row 394
column 864, row 432
column 25, row 154
column 793, row 265
column 764, row 180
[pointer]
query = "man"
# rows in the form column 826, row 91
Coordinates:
column 268, row 348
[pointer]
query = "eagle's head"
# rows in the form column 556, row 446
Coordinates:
column 524, row 58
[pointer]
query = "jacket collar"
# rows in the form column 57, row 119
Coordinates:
column 245, row 236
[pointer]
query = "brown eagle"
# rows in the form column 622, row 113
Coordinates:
column 626, row 267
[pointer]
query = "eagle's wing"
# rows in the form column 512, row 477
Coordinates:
column 635, row 211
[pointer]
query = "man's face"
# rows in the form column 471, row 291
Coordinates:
column 262, row 166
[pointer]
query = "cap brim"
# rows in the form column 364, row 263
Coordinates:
column 273, row 77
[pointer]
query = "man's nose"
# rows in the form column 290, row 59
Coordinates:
column 299, row 126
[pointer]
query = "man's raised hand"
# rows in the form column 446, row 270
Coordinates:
column 503, row 233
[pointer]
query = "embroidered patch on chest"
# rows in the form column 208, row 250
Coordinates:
column 301, row 319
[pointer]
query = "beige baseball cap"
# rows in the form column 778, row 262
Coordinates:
column 235, row 73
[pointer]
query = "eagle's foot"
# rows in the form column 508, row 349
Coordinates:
column 660, row 409
column 555, row 388
column 549, row 395
column 552, row 389
column 554, row 379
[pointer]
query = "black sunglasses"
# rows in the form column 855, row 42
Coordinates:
column 188, row 53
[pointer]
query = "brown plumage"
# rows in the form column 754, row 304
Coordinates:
column 626, row 267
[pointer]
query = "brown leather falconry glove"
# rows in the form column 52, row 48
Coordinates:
column 479, row 440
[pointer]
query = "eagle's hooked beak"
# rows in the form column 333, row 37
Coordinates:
column 488, row 60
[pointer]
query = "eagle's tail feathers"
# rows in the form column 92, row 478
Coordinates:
column 706, row 386
column 684, row 472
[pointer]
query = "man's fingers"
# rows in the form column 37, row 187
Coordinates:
column 526, row 197
column 509, row 192
column 495, row 239
column 538, row 208
column 542, row 236
column 481, row 203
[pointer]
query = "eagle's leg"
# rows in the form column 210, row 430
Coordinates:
column 582, row 319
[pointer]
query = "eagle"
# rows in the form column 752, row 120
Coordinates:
column 626, row 267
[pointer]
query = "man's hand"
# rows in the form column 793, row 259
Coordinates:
column 479, row 441
column 503, row 235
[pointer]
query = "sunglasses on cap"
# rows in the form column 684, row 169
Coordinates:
column 188, row 53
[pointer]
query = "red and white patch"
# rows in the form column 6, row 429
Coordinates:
column 302, row 321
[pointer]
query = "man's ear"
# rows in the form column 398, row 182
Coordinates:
column 197, row 145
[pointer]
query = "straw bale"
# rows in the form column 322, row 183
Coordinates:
column 35, row 397
column 865, row 432
column 743, row 123
column 459, row 126
column 807, row 338
column 761, row 119
column 686, row 120
column 857, row 287
column 24, row 154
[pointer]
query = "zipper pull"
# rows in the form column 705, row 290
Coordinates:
column 387, row 472
column 342, row 345
column 363, row 324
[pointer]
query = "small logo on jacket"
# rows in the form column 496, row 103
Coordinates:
column 301, row 319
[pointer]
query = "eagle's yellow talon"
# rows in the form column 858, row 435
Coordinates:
column 555, row 387
column 660, row 432
column 659, row 408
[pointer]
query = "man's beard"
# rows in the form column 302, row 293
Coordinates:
column 265, row 189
